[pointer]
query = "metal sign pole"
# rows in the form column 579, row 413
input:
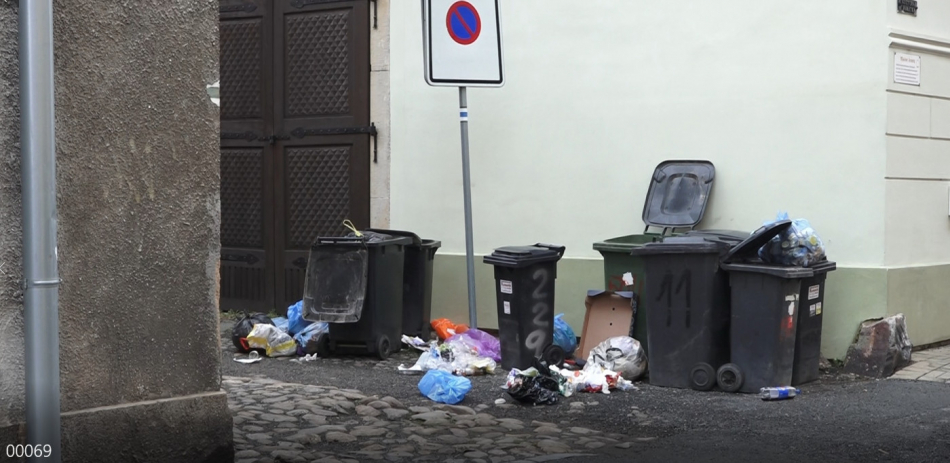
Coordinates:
column 467, row 189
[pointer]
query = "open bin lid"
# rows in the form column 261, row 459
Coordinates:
column 683, row 245
column 523, row 256
column 678, row 194
column 749, row 249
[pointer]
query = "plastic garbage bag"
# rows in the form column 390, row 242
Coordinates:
column 296, row 323
column 621, row 354
column 445, row 328
column 243, row 328
column 275, row 342
column 530, row 386
column 310, row 334
column 282, row 323
column 799, row 246
column 415, row 342
column 564, row 335
column 443, row 387
column 484, row 344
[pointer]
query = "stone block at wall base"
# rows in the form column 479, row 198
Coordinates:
column 190, row 429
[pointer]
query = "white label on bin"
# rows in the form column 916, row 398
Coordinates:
column 506, row 287
column 814, row 292
column 507, row 308
column 628, row 279
column 811, row 310
column 791, row 304
column 818, row 308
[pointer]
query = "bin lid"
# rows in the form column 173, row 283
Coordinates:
column 737, row 236
column 682, row 245
column 824, row 266
column 414, row 237
column 773, row 270
column 523, row 256
column 749, row 249
column 678, row 194
column 378, row 241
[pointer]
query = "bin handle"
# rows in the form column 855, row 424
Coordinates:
column 559, row 249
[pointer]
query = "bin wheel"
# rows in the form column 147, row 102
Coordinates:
column 702, row 377
column 554, row 355
column 383, row 347
column 323, row 345
column 730, row 377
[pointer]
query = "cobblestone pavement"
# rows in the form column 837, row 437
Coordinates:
column 277, row 421
column 928, row 365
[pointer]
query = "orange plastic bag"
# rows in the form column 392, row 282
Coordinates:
column 445, row 328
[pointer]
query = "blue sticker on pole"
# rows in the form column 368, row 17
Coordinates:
column 463, row 22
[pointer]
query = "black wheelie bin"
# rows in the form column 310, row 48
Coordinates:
column 417, row 283
column 524, row 283
column 765, row 302
column 355, row 284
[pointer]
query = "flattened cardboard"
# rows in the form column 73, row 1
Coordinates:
column 608, row 314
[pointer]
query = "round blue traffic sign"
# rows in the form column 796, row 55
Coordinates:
column 463, row 23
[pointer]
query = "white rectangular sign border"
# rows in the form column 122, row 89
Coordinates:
column 427, row 55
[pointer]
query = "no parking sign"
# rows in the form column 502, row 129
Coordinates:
column 462, row 43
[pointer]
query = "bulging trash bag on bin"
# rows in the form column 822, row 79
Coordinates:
column 564, row 335
column 275, row 342
column 444, row 387
column 799, row 246
column 621, row 354
column 243, row 328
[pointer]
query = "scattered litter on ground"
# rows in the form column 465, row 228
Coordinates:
column 564, row 335
column 882, row 348
column 456, row 356
column 779, row 393
column 484, row 344
column 305, row 358
column 275, row 342
column 446, row 328
column 415, row 342
column 243, row 328
column 530, row 386
column 308, row 337
column 621, row 354
column 444, row 387
column 252, row 357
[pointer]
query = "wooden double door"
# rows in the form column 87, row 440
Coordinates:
column 295, row 140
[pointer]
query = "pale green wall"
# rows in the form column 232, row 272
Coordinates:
column 922, row 294
column 852, row 296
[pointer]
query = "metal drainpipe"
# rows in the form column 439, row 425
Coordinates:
column 41, row 299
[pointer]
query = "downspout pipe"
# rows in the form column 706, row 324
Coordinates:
column 41, row 296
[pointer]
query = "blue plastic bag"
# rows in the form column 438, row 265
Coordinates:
column 310, row 332
column 444, row 387
column 799, row 246
column 295, row 317
column 282, row 323
column 564, row 335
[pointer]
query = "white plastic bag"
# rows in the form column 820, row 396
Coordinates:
column 275, row 342
column 621, row 354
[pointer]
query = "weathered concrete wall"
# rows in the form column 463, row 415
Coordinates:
column 137, row 149
column 11, row 270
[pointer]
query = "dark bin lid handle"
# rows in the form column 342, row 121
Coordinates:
column 559, row 249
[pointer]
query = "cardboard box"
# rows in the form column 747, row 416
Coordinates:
column 609, row 314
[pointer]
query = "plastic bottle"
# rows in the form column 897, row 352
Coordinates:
column 779, row 393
